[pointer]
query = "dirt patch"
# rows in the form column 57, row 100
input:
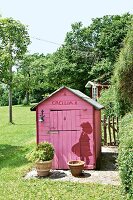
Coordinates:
column 109, row 158
column 108, row 173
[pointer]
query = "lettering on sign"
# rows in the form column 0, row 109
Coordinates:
column 64, row 102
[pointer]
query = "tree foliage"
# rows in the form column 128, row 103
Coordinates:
column 59, row 71
column 107, row 99
column 93, row 50
column 14, row 39
column 31, row 75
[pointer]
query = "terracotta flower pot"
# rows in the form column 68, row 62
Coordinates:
column 76, row 167
column 43, row 167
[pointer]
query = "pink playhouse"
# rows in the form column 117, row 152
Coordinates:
column 71, row 121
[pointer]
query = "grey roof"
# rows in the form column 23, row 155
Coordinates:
column 86, row 98
column 76, row 92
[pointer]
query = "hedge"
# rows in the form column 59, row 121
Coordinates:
column 125, row 157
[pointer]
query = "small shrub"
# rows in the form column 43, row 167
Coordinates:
column 125, row 157
column 4, row 98
column 44, row 151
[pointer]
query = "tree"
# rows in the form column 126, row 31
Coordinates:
column 31, row 76
column 94, row 49
column 59, row 70
column 79, row 52
column 88, row 53
column 108, row 33
column 14, row 40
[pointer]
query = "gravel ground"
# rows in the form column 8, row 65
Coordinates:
column 108, row 173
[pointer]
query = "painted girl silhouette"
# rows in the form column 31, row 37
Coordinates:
column 82, row 148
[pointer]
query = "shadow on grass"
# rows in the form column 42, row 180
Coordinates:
column 12, row 156
column 56, row 174
column 21, row 124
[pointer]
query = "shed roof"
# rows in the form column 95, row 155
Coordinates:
column 90, row 83
column 76, row 92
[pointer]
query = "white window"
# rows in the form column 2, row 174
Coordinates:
column 94, row 93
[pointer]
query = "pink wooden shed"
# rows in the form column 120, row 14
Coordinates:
column 71, row 121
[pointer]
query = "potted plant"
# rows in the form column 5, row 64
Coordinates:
column 76, row 167
column 42, row 155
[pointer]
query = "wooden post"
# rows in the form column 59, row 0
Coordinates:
column 117, row 124
column 117, row 127
column 105, row 130
column 109, row 130
column 113, row 127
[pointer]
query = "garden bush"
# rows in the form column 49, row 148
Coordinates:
column 107, row 99
column 125, row 157
column 122, row 77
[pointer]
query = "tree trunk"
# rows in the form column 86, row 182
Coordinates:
column 10, row 96
column 27, row 97
column 10, row 104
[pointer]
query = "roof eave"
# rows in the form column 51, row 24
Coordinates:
column 91, row 101
column 34, row 107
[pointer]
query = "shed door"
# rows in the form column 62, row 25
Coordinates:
column 64, row 133
column 64, row 120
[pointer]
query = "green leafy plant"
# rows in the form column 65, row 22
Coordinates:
column 44, row 151
column 107, row 99
column 125, row 156
column 122, row 78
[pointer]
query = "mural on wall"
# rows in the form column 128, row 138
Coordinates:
column 82, row 148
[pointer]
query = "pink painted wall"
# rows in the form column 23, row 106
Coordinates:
column 69, row 126
column 97, row 118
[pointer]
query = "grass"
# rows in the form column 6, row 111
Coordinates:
column 15, row 141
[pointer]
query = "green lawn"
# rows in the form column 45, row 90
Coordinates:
column 15, row 141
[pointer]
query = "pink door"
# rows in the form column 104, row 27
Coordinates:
column 64, row 133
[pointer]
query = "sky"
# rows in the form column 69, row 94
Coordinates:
column 49, row 20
